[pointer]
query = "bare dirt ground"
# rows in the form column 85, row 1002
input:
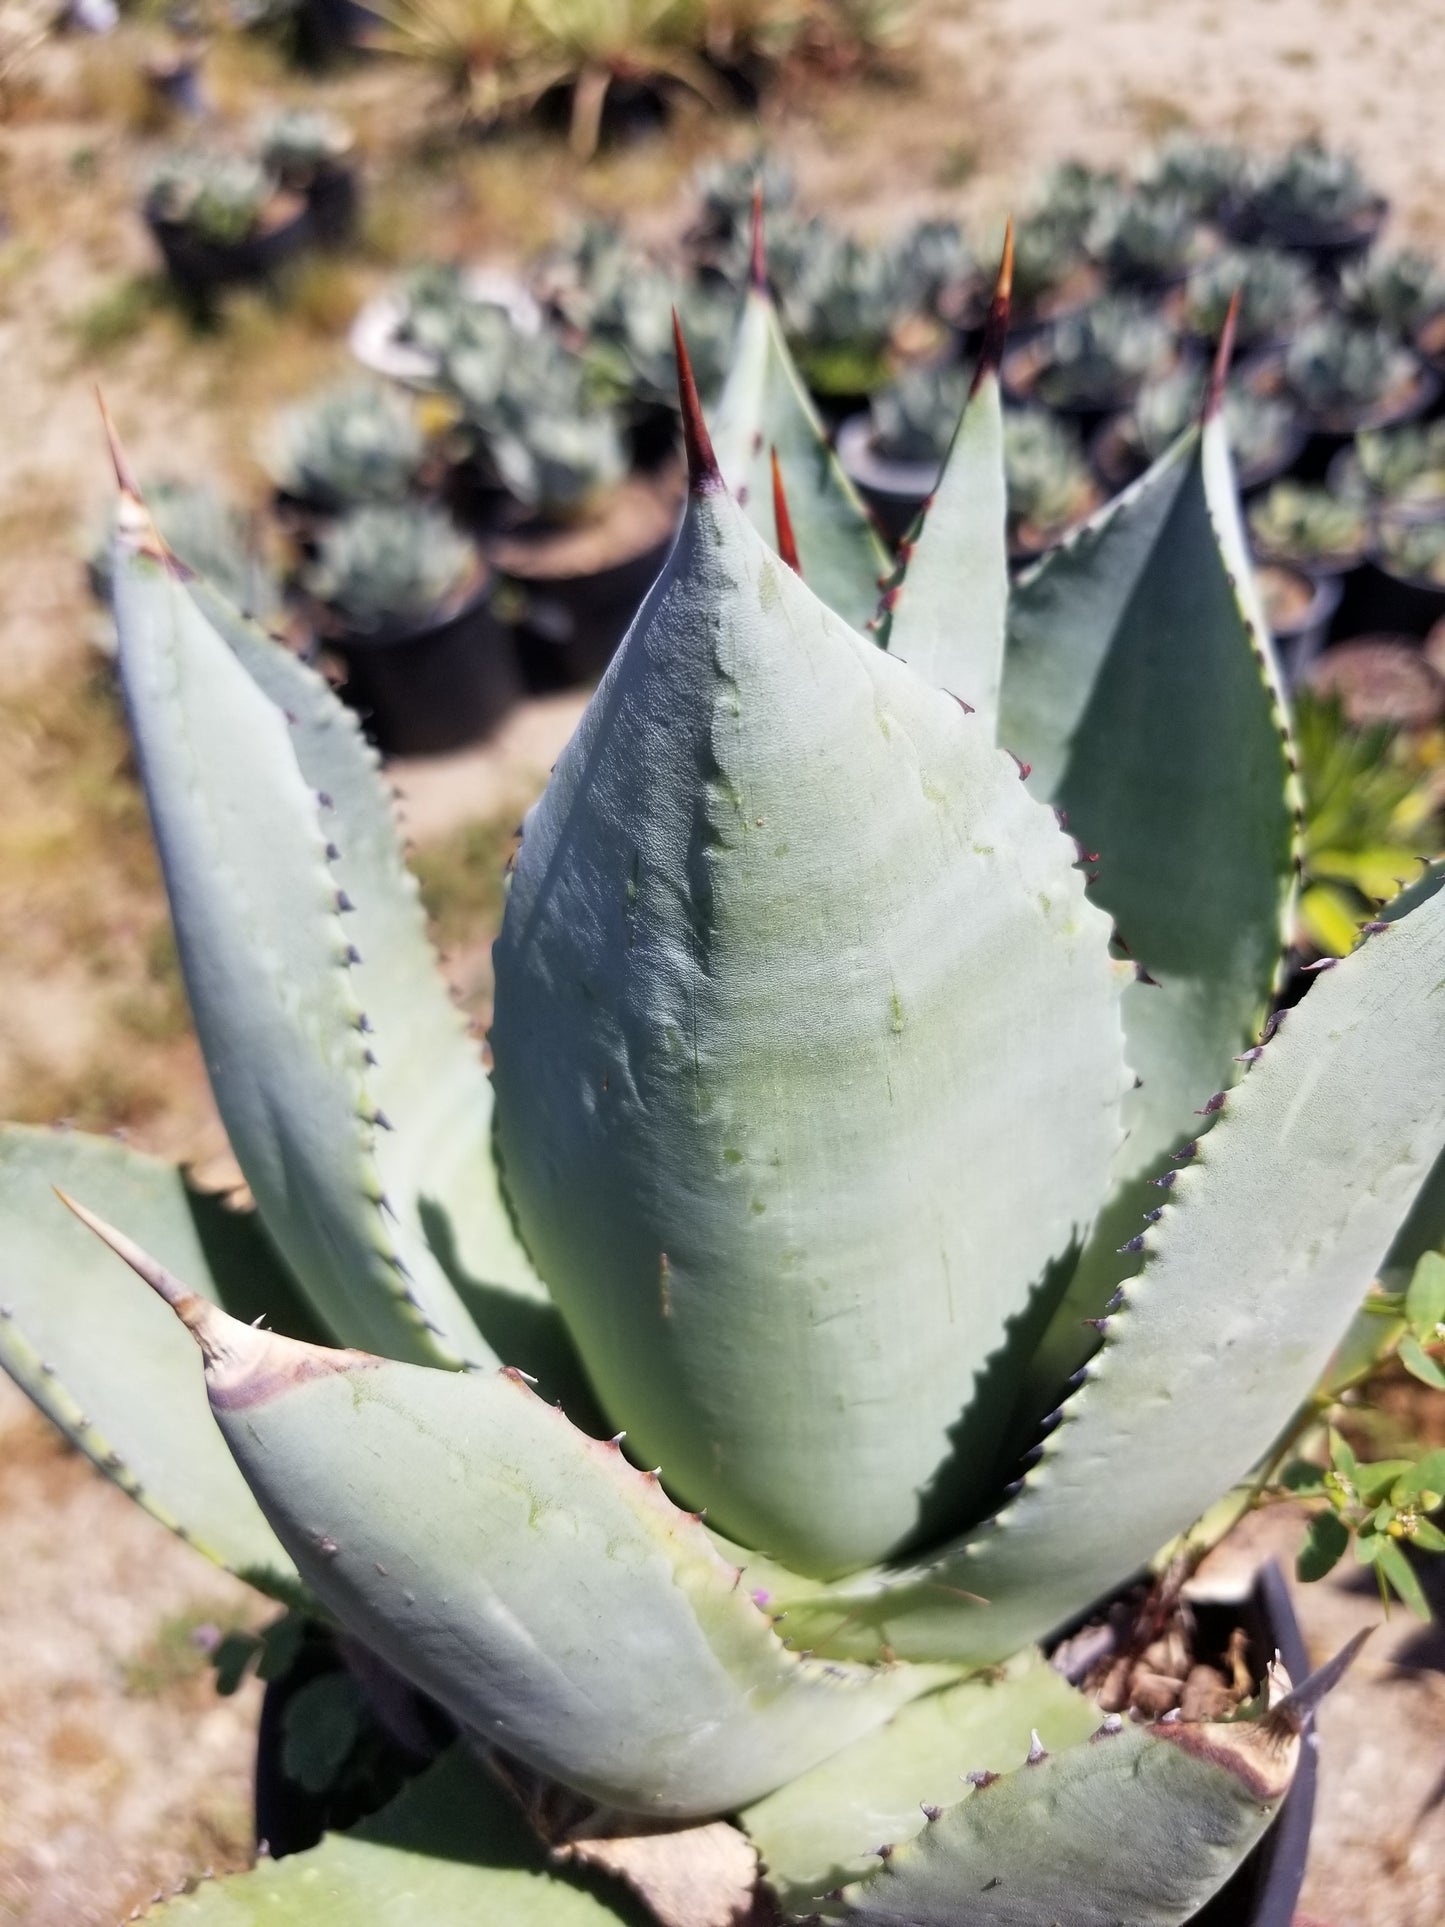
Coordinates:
column 119, row 1770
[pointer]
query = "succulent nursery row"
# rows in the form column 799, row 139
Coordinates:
column 905, row 1263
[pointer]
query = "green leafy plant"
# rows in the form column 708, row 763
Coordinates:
column 825, row 1110
column 391, row 566
column 1339, row 369
column 220, row 197
column 1371, row 811
column 1275, row 292
column 1305, row 524
column 354, row 442
column 1380, row 1508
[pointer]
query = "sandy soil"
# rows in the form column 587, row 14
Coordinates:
column 119, row 1771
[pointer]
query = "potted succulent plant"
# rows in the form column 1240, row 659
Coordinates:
column 1397, row 472
column 1401, row 290
column 404, row 599
column 1410, row 562
column 1204, row 173
column 352, row 443
column 1072, row 195
column 1145, row 239
column 208, row 534
column 1309, row 528
column 306, row 149
column 894, row 451
column 1344, row 376
column 1265, row 435
column 1094, row 362
column 1298, row 608
column 1053, row 277
column 411, row 329
column 1313, row 198
column 725, row 191
column 850, row 318
column 1276, row 295
column 586, row 534
column 221, row 218
column 790, row 943
column 1050, row 488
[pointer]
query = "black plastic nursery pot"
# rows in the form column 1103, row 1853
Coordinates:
column 1300, row 613
column 437, row 687
column 1378, row 599
column 333, row 200
column 400, row 1731
column 894, row 491
column 199, row 268
column 1329, row 432
column 568, row 626
column 1117, row 457
column 1332, row 245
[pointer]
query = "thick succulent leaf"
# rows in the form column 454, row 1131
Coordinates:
column 1264, row 1250
column 1424, row 1229
column 825, row 1827
column 946, row 612
column 739, row 1138
column 764, row 406
column 1139, row 683
column 529, row 1578
column 1139, row 1825
column 436, row 1162
column 266, row 964
column 450, row 1851
column 112, row 1368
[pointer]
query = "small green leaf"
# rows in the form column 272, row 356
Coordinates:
column 232, row 1660
column 1342, row 1458
column 1325, row 1541
column 1418, row 1362
column 322, row 1724
column 1302, row 1478
column 1428, row 1537
column 1425, row 1298
column 1373, row 1482
column 1401, row 1575
column 1426, row 1475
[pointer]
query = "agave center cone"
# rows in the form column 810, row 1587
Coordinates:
column 797, row 992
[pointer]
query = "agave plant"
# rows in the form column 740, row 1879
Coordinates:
column 1259, row 428
column 1049, row 484
column 1341, row 371
column 913, row 418
column 354, row 442
column 843, row 307
column 1276, row 294
column 1414, row 550
column 1311, row 192
column 1399, row 290
column 1203, row 173
column 1098, row 358
column 1308, row 525
column 823, row 1100
column 1143, row 238
column 208, row 534
column 389, row 567
column 1400, row 468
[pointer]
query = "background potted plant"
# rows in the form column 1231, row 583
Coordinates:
column 354, row 442
column 1277, row 294
column 1094, row 362
column 1050, row 487
column 1265, row 434
column 404, row 599
column 221, row 218
column 894, row 451
column 1313, row 198
column 306, row 149
column 1309, row 528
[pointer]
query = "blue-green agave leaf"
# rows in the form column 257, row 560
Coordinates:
column 436, row 1161
column 1141, row 1824
column 547, row 1593
column 752, row 1100
column 764, row 406
column 1264, row 1249
column 945, row 612
column 1141, row 686
column 259, row 924
column 110, row 1367
column 451, row 1850
column 825, row 1828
